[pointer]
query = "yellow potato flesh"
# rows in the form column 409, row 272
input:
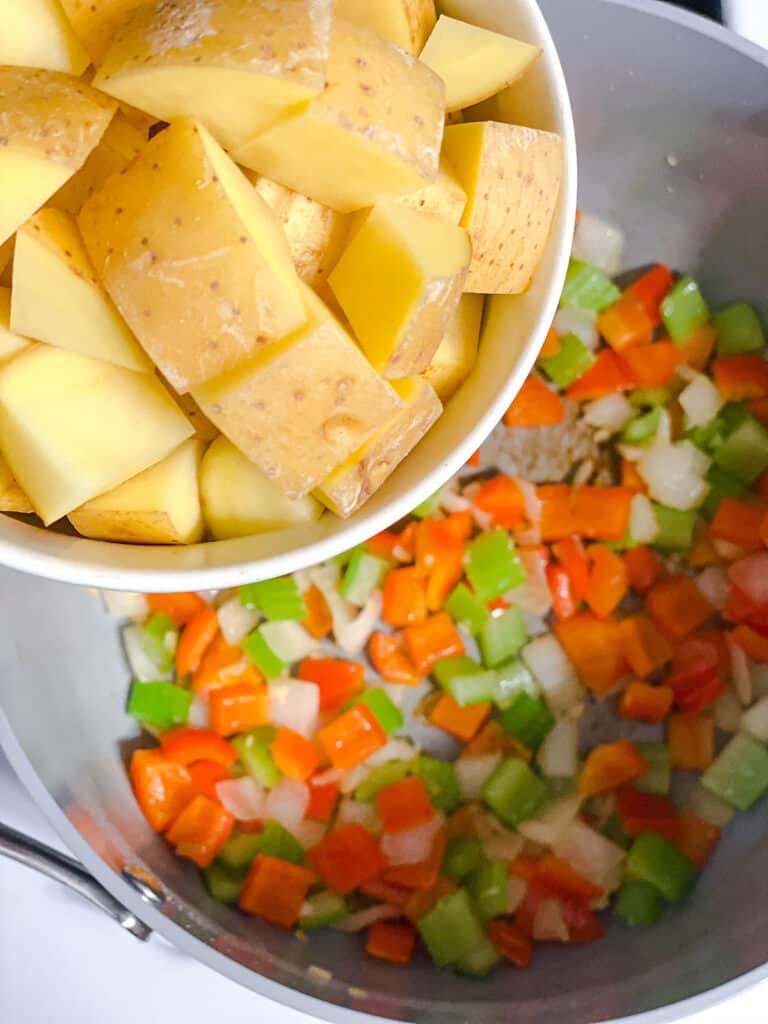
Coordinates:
column 77, row 313
column 399, row 282
column 456, row 356
column 303, row 406
column 6, row 254
column 353, row 483
column 73, row 427
column 512, row 178
column 374, row 132
column 36, row 34
column 233, row 66
column 443, row 198
column 10, row 344
column 192, row 257
column 473, row 62
column 159, row 506
column 96, row 21
column 12, row 498
column 239, row 500
column 404, row 22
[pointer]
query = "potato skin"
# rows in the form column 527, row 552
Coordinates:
column 456, row 356
column 407, row 23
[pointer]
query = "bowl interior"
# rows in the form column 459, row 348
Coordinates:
column 512, row 336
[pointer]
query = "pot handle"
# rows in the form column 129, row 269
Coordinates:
column 69, row 872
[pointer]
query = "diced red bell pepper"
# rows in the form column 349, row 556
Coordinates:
column 741, row 376
column 696, row 838
column 429, row 641
column 652, row 288
column 594, row 647
column 644, row 567
column 646, row 812
column 352, row 737
column 423, row 875
column 582, row 922
column 275, row 890
column 238, row 708
column 643, row 646
column 395, row 547
column 200, row 830
column 181, row 608
column 559, row 582
column 608, row 581
column 513, row 944
column 625, row 323
column 536, row 405
column 393, row 941
column 205, row 775
column 338, row 681
column 390, row 661
column 739, row 522
column 677, row 606
column 196, row 638
column 571, row 555
column 405, row 597
column 611, row 765
column 440, row 559
column 502, row 500
column 645, row 703
column 560, row 878
column 347, row 857
column 162, row 787
column 404, row 805
column 608, row 375
column 322, row 800
column 652, row 365
column 185, row 744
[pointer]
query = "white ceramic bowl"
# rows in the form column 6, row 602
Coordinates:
column 514, row 330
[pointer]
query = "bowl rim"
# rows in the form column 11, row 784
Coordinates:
column 88, row 564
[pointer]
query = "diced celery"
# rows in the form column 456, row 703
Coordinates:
column 480, row 962
column 614, row 830
column 639, row 903
column 380, row 777
column 254, row 754
column 469, row 612
column 463, row 856
column 465, row 680
column 514, row 793
column 739, row 330
column 493, row 565
column 288, row 640
column 684, row 310
column 658, row 778
column 428, row 506
column 739, row 774
column 276, row 841
column 744, row 453
column 362, row 576
column 567, row 365
column 502, row 636
column 488, row 888
column 709, row 437
column 512, row 678
column 322, row 909
column 451, row 930
column 262, row 655
column 528, row 719
column 387, row 713
column 586, row 287
column 652, row 859
column 643, row 428
column 733, row 414
column 675, row 528
column 238, row 852
column 280, row 599
column 642, row 398
column 722, row 485
column 159, row 639
column 223, row 884
column 439, row 778
column 160, row 705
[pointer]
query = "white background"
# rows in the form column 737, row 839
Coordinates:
column 62, row 961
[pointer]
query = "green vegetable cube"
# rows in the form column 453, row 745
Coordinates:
column 160, row 705
column 528, row 719
column 493, row 565
column 465, row 608
column 280, row 599
column 573, row 360
column 586, row 287
column 439, row 778
column 380, row 777
column 744, row 453
column 451, row 930
column 652, row 859
column 502, row 636
column 262, row 655
column 684, row 310
column 512, row 678
column 223, row 884
column 324, row 908
column 658, row 778
column 480, row 962
column 465, row 680
column 722, row 485
column 362, row 576
column 238, row 852
column 513, row 792
column 488, row 888
column 739, row 330
column 276, row 841
column 386, row 712
column 160, row 637
column 254, row 754
column 739, row 774
column 643, row 428
column 463, row 856
column 639, row 903
column 642, row 398
column 428, row 506
column 675, row 528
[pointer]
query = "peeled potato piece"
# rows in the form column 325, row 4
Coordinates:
column 353, row 483
column 159, row 506
column 10, row 343
column 457, row 354
column 36, row 34
column 238, row 500
column 12, row 498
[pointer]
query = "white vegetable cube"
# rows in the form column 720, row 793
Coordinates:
column 404, row 22
column 73, row 427
column 456, row 354
column 295, row 705
column 675, row 473
column 474, row 63
column 755, row 720
column 590, row 853
column 36, row 34
column 599, row 243
column 554, row 672
column 399, row 283
column 701, row 401
column 558, row 755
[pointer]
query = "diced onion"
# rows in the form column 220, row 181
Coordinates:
column 740, row 674
column 708, row 806
column 359, row 813
column 558, row 755
column 533, row 595
column 675, row 474
column 713, row 584
column 590, row 853
column 236, row 621
column 535, row 624
column 599, row 243
column 581, row 322
column 611, row 412
column 124, row 604
column 498, row 843
column 727, row 712
column 472, row 772
column 532, row 504
column 353, row 636
column 327, row 778
column 549, row 924
column 362, row 919
column 700, row 400
column 199, row 713
column 755, row 720
column 309, row 833
column 244, row 798
column 412, row 845
column 287, row 803
column 642, row 521
column 142, row 666
column 556, row 675
column 294, row 704
column 395, row 749
column 351, row 779
column 453, row 502
column 326, row 579
column 750, row 574
column 289, row 640
column 548, row 827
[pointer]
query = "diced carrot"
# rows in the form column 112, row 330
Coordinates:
column 238, row 708
column 611, row 765
column 601, row 513
column 421, row 901
column 322, row 800
column 393, row 941
column 492, row 739
column 319, row 620
column 460, row 524
column 347, row 857
column 643, row 646
column 185, row 744
column 295, row 755
column 474, row 460
column 631, row 478
column 646, row 812
column 205, row 775
column 162, row 787
column 275, row 890
column 703, row 551
column 627, row 322
column 338, row 681
column 691, row 741
column 536, row 405
column 741, row 376
column 697, row 350
column 645, row 703
column 201, row 830
column 352, row 737
column 405, row 597
column 559, row 583
column 224, row 664
column 404, row 805
column 181, row 608
column 196, row 638
column 759, row 409
column 423, row 875
column 396, row 547
column 739, row 522
column 463, row 723
column 440, row 559
column 594, row 647
column 696, row 839
column 502, row 500
column 390, row 661
column 644, row 567
column 551, row 344
column 431, row 640
column 560, row 878
column 754, row 643
column 608, row 582
column 608, row 375
column 677, row 606
column 571, row 555
column 582, row 922
column 653, row 365
column 513, row 944
column 652, row 288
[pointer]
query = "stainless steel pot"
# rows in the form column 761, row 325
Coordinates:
column 673, row 125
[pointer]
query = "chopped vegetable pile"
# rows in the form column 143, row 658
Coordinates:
column 394, row 741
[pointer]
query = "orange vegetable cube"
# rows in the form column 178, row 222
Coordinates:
column 295, row 756
column 739, row 522
column 338, row 681
column 347, row 857
column 741, row 376
column 644, row 567
column 423, row 875
column 390, row 661
column 181, row 608
column 696, row 839
column 393, row 941
column 196, row 638
column 319, row 620
column 643, row 646
column 275, row 890
column 652, row 365
column 352, row 737
column 322, row 800
column 697, row 349
column 611, row 765
column 594, row 647
column 185, row 744
column 625, row 323
column 754, row 643
column 162, row 787
column 404, row 804
column 677, row 606
column 224, row 664
column 201, row 830
column 238, row 708
column 463, row 723
column 691, row 741
column 440, row 559
column 645, row 703
column 536, row 405
column 405, row 597
column 608, row 581
column 431, row 640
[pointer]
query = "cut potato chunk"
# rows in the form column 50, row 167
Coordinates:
column 353, row 483
column 474, row 63
column 239, row 500
column 73, row 427
column 12, row 498
column 512, row 178
column 96, row 21
column 302, row 406
column 37, row 34
column 49, row 123
column 10, row 344
column 399, row 282
column 315, row 233
column 192, row 257
column 455, row 358
column 443, row 198
column 374, row 132
column 404, row 22
column 6, row 254
column 159, row 506
column 233, row 66
column 77, row 313
column 204, row 429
